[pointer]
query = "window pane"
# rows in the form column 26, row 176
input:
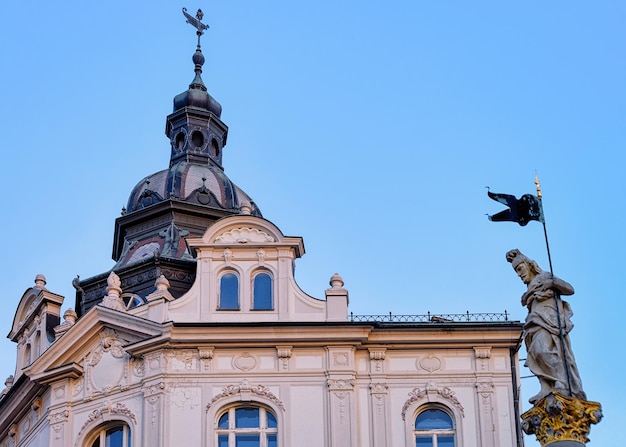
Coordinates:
column 96, row 443
column 445, row 441
column 247, row 441
column 247, row 418
column 114, row 437
column 424, row 442
column 433, row 420
column 229, row 292
column 271, row 420
column 223, row 422
column 272, row 441
column 262, row 292
column 222, row 441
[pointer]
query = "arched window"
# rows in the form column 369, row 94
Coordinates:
column 111, row 436
column 247, row 427
column 262, row 292
column 229, row 292
column 434, row 428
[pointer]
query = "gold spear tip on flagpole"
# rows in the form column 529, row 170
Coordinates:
column 538, row 185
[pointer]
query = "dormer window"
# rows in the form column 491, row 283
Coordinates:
column 262, row 292
column 229, row 292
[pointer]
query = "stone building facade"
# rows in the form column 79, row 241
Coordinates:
column 199, row 335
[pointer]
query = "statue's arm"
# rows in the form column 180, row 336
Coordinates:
column 563, row 287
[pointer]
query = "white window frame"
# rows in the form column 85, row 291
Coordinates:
column 435, row 432
column 101, row 431
column 219, row 290
column 232, row 431
column 272, row 292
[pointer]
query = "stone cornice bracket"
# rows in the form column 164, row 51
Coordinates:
column 377, row 354
column 245, row 390
column 284, row 354
column 377, row 359
column 482, row 352
column 431, row 389
column 205, row 355
column 558, row 418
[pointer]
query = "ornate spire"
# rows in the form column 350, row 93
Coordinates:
column 197, row 95
column 198, row 57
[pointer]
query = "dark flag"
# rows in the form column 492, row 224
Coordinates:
column 522, row 211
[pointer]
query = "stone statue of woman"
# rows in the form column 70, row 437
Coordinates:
column 549, row 352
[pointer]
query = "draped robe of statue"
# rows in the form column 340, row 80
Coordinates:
column 549, row 358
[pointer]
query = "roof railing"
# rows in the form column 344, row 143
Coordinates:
column 432, row 318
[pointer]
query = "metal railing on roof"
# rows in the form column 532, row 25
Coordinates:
column 431, row 318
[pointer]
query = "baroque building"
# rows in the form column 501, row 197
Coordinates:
column 200, row 335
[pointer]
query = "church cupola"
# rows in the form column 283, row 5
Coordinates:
column 179, row 202
column 194, row 128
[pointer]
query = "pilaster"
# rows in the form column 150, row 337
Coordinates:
column 379, row 398
column 154, row 394
column 484, row 395
column 60, row 435
column 342, row 404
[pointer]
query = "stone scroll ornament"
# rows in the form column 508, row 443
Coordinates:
column 561, row 415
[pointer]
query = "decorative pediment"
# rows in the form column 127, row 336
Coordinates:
column 97, row 341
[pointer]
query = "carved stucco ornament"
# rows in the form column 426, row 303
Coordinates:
column 106, row 366
column 245, row 362
column 107, row 410
column 243, row 236
column 418, row 394
column 558, row 418
column 430, row 363
column 245, row 388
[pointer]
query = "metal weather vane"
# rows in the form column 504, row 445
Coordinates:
column 196, row 22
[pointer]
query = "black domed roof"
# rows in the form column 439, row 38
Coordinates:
column 200, row 184
column 197, row 95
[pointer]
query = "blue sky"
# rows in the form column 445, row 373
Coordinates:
column 370, row 129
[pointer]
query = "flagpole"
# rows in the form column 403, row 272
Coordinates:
column 556, row 292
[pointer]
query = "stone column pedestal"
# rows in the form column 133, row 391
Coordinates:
column 560, row 421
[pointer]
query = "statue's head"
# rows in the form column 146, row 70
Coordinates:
column 526, row 268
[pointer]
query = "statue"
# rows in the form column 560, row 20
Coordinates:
column 549, row 352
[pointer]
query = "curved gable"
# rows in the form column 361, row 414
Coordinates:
column 242, row 230
column 33, row 299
